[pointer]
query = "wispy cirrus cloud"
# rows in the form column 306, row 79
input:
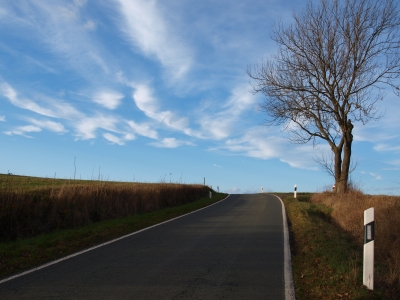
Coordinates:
column 147, row 29
column 49, row 125
column 108, row 99
column 258, row 143
column 395, row 163
column 37, row 126
column 62, row 31
column 48, row 106
column 171, row 143
column 219, row 125
column 382, row 147
column 85, row 126
column 376, row 176
column 143, row 129
column 118, row 140
column 2, row 118
column 146, row 102
column 23, row 130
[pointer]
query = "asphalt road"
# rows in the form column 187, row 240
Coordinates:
column 231, row 250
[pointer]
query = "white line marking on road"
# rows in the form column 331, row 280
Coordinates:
column 287, row 268
column 101, row 245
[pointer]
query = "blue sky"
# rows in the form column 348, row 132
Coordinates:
column 144, row 90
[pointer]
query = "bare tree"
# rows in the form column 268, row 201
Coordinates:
column 331, row 66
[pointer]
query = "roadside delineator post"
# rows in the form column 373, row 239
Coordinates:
column 210, row 194
column 295, row 190
column 369, row 236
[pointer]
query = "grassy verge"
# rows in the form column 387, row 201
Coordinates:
column 26, row 253
column 327, row 262
column 348, row 210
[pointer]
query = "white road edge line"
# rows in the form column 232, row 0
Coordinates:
column 287, row 268
column 101, row 245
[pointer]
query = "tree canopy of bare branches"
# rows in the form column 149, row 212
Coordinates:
column 330, row 70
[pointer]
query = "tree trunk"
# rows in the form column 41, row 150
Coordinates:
column 338, row 168
column 343, row 179
column 342, row 175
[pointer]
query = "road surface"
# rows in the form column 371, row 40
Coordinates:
column 231, row 250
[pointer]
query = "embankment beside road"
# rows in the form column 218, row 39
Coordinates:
column 327, row 245
column 348, row 213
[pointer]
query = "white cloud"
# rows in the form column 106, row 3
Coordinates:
column 147, row 103
column 87, row 126
column 37, row 126
column 55, row 108
column 3, row 13
column 395, row 163
column 386, row 147
column 262, row 144
column 129, row 137
column 118, row 140
column 143, row 129
column 49, row 125
column 376, row 176
column 386, row 128
column 220, row 125
column 21, row 130
column 60, row 28
column 147, row 28
column 90, row 25
column 2, row 118
column 108, row 99
column 113, row 139
column 171, row 143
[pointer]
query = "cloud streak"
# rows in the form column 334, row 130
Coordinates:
column 147, row 29
column 146, row 102
column 171, row 143
column 259, row 144
column 376, row 176
column 219, row 125
column 55, row 109
column 108, row 99
column 22, row 130
column 49, row 125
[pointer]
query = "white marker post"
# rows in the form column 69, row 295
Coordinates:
column 295, row 190
column 369, row 235
column 210, row 194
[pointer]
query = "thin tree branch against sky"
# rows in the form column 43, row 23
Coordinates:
column 139, row 89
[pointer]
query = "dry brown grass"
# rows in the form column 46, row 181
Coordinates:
column 29, row 211
column 348, row 213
